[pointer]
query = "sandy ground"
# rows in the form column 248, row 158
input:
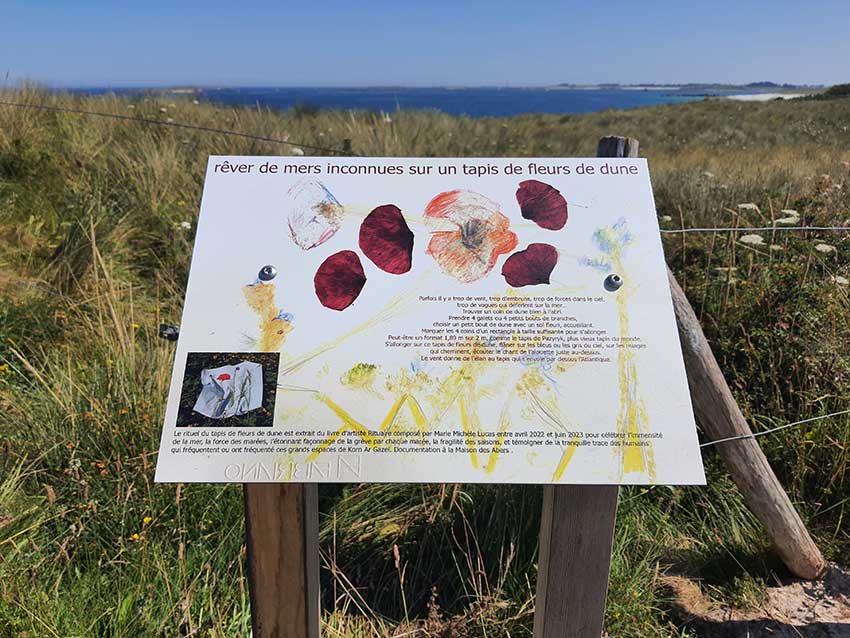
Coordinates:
column 814, row 609
column 764, row 97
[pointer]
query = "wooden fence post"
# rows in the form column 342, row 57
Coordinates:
column 282, row 531
column 577, row 532
column 720, row 418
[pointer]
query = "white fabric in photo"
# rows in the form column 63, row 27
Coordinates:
column 230, row 390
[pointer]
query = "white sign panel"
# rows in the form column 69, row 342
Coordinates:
column 433, row 320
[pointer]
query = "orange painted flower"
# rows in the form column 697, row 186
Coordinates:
column 470, row 250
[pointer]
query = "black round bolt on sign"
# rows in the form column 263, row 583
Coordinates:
column 613, row 282
column 167, row 331
column 267, row 273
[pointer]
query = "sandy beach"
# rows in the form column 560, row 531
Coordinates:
column 764, row 97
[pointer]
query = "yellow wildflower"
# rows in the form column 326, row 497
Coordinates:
column 134, row 537
column 123, row 411
column 146, row 521
column 135, row 326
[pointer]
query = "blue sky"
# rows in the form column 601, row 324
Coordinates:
column 423, row 44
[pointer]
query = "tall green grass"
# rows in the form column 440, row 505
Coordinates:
column 93, row 256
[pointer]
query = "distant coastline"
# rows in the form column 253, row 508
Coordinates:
column 474, row 102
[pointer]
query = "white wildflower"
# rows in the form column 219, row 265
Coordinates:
column 666, row 218
column 195, row 102
column 776, row 247
column 169, row 119
column 840, row 280
column 825, row 248
column 753, row 240
column 297, row 151
column 708, row 174
column 131, row 106
column 185, row 225
column 749, row 206
column 791, row 217
column 162, row 109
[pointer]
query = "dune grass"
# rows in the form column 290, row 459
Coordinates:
column 94, row 253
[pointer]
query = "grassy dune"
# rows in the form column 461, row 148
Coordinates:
column 94, row 253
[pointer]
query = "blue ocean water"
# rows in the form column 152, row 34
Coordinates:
column 475, row 102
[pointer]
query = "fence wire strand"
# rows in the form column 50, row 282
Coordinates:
column 207, row 129
column 679, row 231
column 776, row 429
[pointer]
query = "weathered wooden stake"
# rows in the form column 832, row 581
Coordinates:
column 577, row 532
column 720, row 417
column 282, row 530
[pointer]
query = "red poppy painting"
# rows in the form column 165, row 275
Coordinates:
column 386, row 239
column 339, row 280
column 476, row 234
column 531, row 266
column 543, row 204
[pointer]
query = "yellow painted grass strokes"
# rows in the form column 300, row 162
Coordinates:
column 466, row 422
column 530, row 384
column 632, row 419
column 566, row 457
column 260, row 298
column 504, row 424
column 648, row 450
column 273, row 334
column 392, row 414
column 417, row 413
column 273, row 331
column 391, row 309
column 350, row 424
column 324, row 445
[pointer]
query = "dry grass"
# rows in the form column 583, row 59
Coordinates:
column 93, row 257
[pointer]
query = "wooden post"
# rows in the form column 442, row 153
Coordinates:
column 577, row 532
column 720, row 418
column 282, row 531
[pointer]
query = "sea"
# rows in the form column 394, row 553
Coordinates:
column 474, row 102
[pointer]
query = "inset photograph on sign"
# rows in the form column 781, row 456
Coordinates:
column 228, row 389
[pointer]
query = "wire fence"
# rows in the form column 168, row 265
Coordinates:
column 347, row 151
column 755, row 435
column 207, row 129
column 753, row 229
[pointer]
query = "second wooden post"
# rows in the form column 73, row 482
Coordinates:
column 282, row 531
column 577, row 533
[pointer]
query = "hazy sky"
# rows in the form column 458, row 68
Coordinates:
column 356, row 43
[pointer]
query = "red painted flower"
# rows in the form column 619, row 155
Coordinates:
column 543, row 204
column 480, row 234
column 531, row 266
column 339, row 280
column 223, row 377
column 386, row 239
